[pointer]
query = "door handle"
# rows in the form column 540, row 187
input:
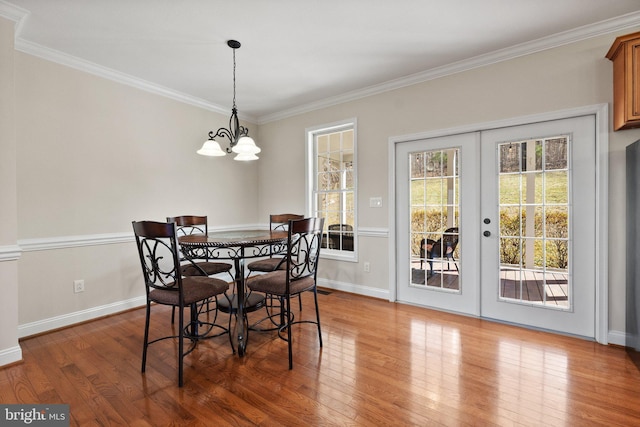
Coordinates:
column 487, row 233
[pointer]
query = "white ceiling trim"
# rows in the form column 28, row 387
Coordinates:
column 19, row 15
column 62, row 58
column 12, row 12
column 527, row 48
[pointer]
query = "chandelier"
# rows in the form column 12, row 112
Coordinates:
column 239, row 140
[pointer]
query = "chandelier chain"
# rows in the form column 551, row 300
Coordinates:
column 234, row 78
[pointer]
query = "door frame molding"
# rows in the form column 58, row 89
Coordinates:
column 601, row 113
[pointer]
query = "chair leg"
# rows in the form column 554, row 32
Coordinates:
column 146, row 338
column 233, row 349
column 173, row 314
column 281, row 301
column 288, row 310
column 315, row 298
column 180, row 345
column 455, row 264
column 300, row 301
column 193, row 319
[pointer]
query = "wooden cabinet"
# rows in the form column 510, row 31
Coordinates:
column 625, row 54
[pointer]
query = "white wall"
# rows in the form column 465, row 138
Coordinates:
column 566, row 77
column 9, row 252
column 82, row 157
column 93, row 155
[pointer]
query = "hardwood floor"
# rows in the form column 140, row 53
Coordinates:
column 381, row 364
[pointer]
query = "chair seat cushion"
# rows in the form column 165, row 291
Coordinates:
column 210, row 268
column 267, row 265
column 275, row 283
column 197, row 288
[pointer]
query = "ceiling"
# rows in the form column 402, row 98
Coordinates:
column 299, row 55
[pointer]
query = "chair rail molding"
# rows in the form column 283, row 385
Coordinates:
column 66, row 242
column 373, row 232
column 10, row 253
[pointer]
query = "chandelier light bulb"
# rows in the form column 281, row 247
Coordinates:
column 246, row 145
column 211, row 148
column 245, row 157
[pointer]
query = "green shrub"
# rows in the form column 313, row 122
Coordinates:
column 430, row 223
column 510, row 226
column 555, row 230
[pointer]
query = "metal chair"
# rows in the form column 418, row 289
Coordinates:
column 441, row 249
column 165, row 285
column 197, row 224
column 298, row 276
column 275, row 261
column 193, row 224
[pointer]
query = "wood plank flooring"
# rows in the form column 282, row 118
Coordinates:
column 381, row 364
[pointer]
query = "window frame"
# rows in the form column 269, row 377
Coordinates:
column 311, row 182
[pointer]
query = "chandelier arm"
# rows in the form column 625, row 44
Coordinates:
column 221, row 132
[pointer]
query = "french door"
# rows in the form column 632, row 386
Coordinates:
column 501, row 224
column 436, row 191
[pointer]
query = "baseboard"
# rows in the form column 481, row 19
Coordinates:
column 69, row 319
column 617, row 338
column 614, row 337
column 10, row 355
column 14, row 354
column 354, row 289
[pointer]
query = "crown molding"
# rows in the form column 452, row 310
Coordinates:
column 620, row 23
column 71, row 61
column 20, row 16
column 12, row 12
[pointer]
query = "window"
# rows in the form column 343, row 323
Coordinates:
column 331, row 189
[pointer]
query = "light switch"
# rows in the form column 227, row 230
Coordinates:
column 375, row 202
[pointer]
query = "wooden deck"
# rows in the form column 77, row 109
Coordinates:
column 530, row 286
column 526, row 286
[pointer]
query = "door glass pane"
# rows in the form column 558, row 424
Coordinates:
column 435, row 237
column 510, row 189
column 509, row 157
column 534, row 193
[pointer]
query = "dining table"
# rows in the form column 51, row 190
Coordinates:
column 236, row 245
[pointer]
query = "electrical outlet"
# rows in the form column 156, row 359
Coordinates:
column 78, row 286
column 367, row 267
